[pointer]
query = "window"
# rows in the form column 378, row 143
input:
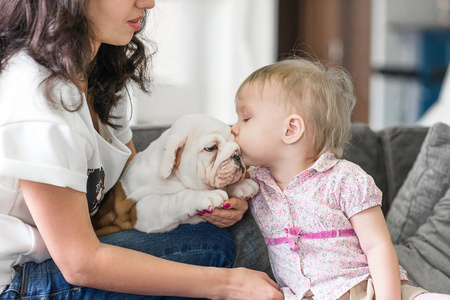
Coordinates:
column 206, row 48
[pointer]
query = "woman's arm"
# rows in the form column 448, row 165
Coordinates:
column 62, row 217
column 370, row 227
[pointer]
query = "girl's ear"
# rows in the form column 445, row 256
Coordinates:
column 294, row 129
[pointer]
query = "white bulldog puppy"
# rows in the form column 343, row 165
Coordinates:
column 195, row 165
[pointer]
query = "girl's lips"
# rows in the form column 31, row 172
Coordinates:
column 135, row 23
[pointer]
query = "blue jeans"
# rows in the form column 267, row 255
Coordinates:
column 202, row 244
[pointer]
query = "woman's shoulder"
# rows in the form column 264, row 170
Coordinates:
column 22, row 68
column 23, row 100
column 22, row 74
column 21, row 82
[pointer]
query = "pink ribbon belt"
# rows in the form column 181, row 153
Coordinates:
column 293, row 234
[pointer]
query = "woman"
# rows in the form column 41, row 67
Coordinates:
column 64, row 141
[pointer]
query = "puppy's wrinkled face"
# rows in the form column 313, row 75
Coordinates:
column 220, row 159
column 210, row 158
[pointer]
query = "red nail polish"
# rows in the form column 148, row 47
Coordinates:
column 227, row 205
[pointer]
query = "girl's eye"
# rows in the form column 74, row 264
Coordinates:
column 211, row 149
column 245, row 120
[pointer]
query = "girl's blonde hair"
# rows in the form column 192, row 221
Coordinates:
column 322, row 95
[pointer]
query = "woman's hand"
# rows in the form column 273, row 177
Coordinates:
column 232, row 211
column 249, row 284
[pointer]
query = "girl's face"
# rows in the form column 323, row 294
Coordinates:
column 259, row 128
column 115, row 21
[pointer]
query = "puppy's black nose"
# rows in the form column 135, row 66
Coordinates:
column 236, row 158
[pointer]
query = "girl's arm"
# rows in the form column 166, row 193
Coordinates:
column 62, row 217
column 375, row 240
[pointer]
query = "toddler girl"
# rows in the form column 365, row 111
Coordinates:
column 320, row 215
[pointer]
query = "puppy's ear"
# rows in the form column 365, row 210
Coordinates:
column 171, row 155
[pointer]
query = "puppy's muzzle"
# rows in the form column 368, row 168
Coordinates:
column 238, row 161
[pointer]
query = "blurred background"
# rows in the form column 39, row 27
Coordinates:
column 398, row 53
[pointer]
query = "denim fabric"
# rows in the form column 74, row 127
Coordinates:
column 202, row 244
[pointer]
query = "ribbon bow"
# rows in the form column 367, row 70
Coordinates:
column 292, row 234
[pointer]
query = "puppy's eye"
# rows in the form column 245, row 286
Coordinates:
column 211, row 149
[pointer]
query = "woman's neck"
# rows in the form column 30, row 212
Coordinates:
column 90, row 103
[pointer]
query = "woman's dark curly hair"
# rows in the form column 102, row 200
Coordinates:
column 56, row 34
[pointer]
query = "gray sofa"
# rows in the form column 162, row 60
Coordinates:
column 411, row 165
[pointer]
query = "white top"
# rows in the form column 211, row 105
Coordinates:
column 52, row 146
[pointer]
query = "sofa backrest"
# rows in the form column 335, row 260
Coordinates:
column 387, row 155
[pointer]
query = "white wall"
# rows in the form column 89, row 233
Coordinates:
column 205, row 49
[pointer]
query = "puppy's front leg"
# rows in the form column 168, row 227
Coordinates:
column 159, row 213
column 243, row 190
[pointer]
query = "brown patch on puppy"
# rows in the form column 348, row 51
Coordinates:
column 116, row 213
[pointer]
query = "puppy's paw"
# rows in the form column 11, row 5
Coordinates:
column 208, row 200
column 243, row 190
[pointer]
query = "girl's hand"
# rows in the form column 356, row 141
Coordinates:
column 232, row 211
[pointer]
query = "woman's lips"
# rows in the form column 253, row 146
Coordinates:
column 135, row 23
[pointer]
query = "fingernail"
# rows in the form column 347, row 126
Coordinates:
column 227, row 205
column 207, row 211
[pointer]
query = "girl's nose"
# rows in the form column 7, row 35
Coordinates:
column 235, row 130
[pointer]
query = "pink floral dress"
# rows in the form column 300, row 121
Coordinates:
column 311, row 242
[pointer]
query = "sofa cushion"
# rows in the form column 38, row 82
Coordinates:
column 365, row 150
column 426, row 183
column 251, row 250
column 401, row 145
column 143, row 135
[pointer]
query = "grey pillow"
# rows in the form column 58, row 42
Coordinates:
column 426, row 183
column 426, row 255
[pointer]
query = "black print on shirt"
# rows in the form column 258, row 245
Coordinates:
column 95, row 189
